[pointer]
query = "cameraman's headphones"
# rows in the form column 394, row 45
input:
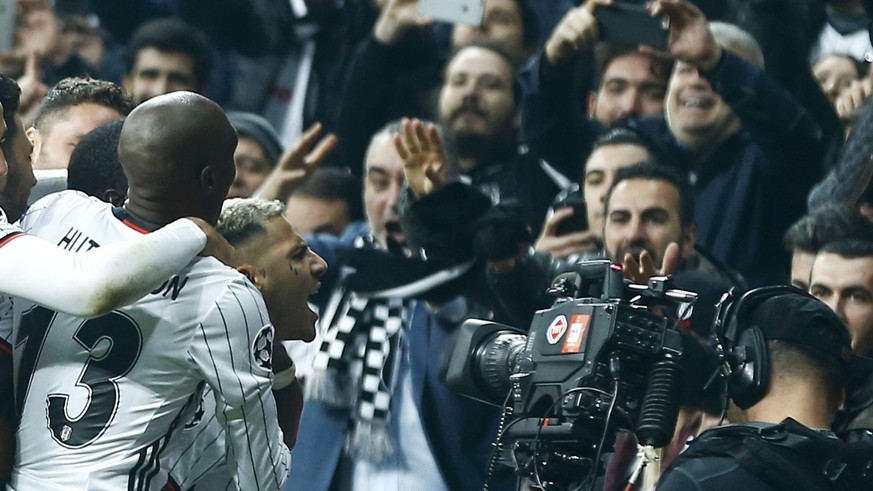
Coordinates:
column 742, row 346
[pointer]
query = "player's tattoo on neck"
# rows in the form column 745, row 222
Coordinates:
column 294, row 270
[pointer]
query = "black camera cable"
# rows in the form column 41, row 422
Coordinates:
column 498, row 446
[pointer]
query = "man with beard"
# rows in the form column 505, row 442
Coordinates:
column 477, row 106
column 648, row 226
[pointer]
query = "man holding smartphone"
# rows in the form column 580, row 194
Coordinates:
column 729, row 124
column 628, row 83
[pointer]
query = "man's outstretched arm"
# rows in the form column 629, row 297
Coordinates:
column 95, row 282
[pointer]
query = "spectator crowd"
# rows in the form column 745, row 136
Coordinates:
column 237, row 237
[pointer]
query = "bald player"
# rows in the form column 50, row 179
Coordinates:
column 89, row 283
column 100, row 398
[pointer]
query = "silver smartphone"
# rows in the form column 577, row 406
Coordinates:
column 7, row 25
column 454, row 11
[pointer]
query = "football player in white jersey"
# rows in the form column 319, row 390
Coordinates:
column 100, row 398
column 286, row 271
column 86, row 284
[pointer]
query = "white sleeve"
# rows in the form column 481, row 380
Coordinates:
column 95, row 282
column 234, row 352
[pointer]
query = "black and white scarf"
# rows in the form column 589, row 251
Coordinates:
column 357, row 366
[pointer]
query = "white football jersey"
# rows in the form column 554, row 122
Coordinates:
column 8, row 232
column 195, row 454
column 101, row 397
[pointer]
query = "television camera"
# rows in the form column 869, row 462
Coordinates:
column 605, row 357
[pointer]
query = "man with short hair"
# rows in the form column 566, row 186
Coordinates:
column 628, row 83
column 71, row 109
column 842, row 277
column 165, row 55
column 326, row 203
column 647, row 209
column 94, row 167
column 783, row 442
column 99, row 414
column 815, row 230
column 286, row 272
column 616, row 149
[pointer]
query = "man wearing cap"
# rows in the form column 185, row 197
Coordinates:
column 783, row 442
column 256, row 153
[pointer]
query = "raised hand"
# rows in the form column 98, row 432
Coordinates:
column 395, row 19
column 640, row 272
column 690, row 38
column 296, row 164
column 576, row 33
column 421, row 148
column 850, row 100
column 32, row 89
column 561, row 246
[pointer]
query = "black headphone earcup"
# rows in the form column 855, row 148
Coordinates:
column 750, row 368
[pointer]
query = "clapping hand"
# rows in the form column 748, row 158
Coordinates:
column 421, row 149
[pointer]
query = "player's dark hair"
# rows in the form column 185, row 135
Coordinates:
column 10, row 96
column 171, row 35
column 74, row 91
column 94, row 167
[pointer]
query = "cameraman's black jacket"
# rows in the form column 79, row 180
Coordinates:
column 768, row 457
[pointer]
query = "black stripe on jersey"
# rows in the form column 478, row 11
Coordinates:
column 153, row 461
column 131, row 476
column 140, row 477
column 239, row 382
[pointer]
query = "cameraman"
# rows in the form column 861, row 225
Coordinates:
column 785, row 444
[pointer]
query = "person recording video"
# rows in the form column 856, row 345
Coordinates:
column 788, row 355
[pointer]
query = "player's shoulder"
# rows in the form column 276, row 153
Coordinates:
column 6, row 228
column 218, row 278
column 63, row 203
column 67, row 197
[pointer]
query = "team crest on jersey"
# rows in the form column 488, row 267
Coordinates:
column 262, row 348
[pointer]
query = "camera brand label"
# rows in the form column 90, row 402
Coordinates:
column 556, row 329
column 578, row 329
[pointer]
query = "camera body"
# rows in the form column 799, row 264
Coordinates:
column 604, row 357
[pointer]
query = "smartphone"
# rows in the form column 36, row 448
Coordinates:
column 455, row 11
column 631, row 24
column 572, row 197
column 7, row 25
